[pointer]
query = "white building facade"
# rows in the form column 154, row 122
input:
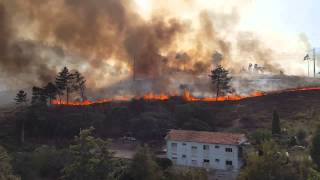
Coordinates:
column 210, row 150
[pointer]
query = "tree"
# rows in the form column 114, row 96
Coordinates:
column 90, row 159
column 314, row 175
column 301, row 137
column 64, row 82
column 21, row 102
column 50, row 91
column 70, row 85
column 80, row 84
column 38, row 96
column 154, row 125
column 21, row 98
column 315, row 147
column 144, row 166
column 260, row 136
column 270, row 164
column 5, row 166
column 220, row 80
column 44, row 162
column 276, row 123
column 61, row 82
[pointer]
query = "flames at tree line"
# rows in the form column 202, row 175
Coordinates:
column 187, row 96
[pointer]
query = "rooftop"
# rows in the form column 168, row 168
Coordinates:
column 206, row 137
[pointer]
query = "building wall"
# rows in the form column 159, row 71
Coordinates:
column 193, row 154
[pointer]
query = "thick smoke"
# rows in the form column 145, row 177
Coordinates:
column 96, row 30
column 251, row 47
column 108, row 40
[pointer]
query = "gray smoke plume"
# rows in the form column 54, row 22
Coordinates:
column 108, row 39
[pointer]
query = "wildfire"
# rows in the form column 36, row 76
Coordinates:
column 187, row 96
column 72, row 103
column 153, row 96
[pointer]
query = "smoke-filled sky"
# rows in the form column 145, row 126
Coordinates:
column 102, row 38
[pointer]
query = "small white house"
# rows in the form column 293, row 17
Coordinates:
column 210, row 150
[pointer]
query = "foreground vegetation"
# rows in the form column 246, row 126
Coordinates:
column 89, row 158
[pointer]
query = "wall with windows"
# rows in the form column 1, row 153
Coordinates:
column 213, row 156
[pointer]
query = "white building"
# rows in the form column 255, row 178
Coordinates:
column 211, row 150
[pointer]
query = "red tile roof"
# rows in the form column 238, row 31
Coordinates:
column 206, row 137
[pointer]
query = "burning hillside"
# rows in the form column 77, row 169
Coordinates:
column 187, row 96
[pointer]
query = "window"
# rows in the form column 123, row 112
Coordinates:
column 174, row 147
column 184, row 156
column 205, row 147
column 216, row 146
column 228, row 149
column 184, row 144
column 229, row 163
column 206, row 160
column 206, row 163
column 194, row 150
column 217, row 160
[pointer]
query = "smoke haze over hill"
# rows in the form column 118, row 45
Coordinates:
column 103, row 38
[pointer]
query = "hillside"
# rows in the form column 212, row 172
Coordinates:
column 150, row 120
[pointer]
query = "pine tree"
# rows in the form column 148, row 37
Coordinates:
column 70, row 85
column 221, row 80
column 276, row 123
column 21, row 98
column 64, row 82
column 61, row 82
column 38, row 96
column 80, row 84
column 21, row 102
column 50, row 91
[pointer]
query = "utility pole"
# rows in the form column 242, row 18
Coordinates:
column 308, row 68
column 314, row 62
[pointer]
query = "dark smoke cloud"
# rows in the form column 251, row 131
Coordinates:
column 95, row 30
column 38, row 37
column 145, row 41
column 17, row 57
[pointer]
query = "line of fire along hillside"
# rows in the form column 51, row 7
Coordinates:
column 187, row 96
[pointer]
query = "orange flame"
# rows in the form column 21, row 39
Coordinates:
column 152, row 96
column 187, row 96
